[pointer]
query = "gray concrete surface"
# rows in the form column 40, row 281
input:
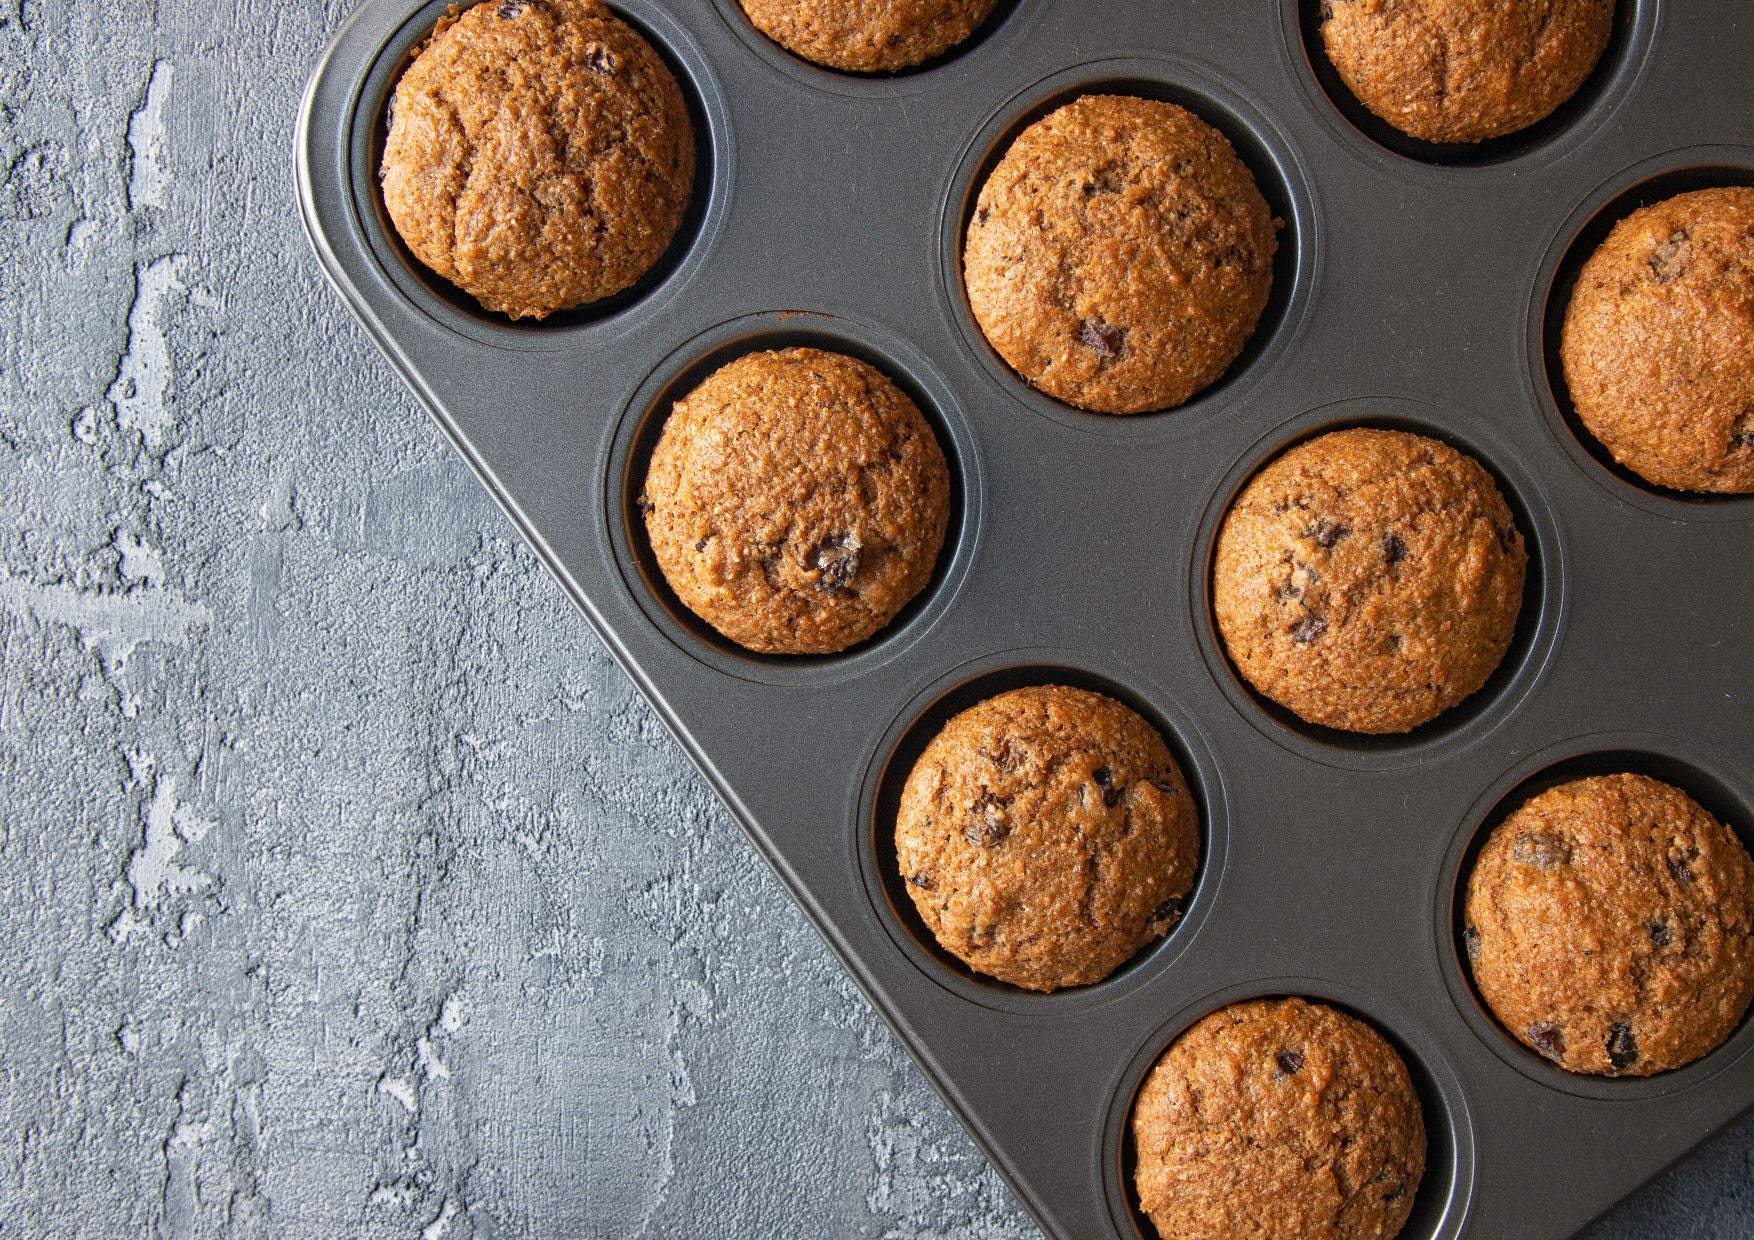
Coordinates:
column 346, row 887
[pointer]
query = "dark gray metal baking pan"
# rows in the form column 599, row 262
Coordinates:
column 1415, row 288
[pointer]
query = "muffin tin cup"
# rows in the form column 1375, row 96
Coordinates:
column 1440, row 1206
column 830, row 211
column 1710, row 777
column 1264, row 149
column 690, row 249
column 976, row 681
column 1646, row 182
column 629, row 454
column 1539, row 623
column 1585, row 114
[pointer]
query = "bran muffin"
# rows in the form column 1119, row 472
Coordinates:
column 1458, row 71
column 1608, row 925
column 540, row 155
column 796, row 501
column 1279, row 1118
column 1046, row 835
column 868, row 36
column 1658, row 345
column 1119, row 255
column 1369, row 580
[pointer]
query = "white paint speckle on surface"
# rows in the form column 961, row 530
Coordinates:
column 149, row 184
column 111, row 622
column 141, row 392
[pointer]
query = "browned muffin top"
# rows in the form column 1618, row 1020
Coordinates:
column 1046, row 835
column 1658, row 345
column 1120, row 254
column 868, row 36
column 540, row 155
column 1369, row 580
column 796, row 501
column 1465, row 70
column 1608, row 925
column 1278, row 1118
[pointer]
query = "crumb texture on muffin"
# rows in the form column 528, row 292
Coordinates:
column 1120, row 255
column 540, row 155
column 1279, row 1118
column 1459, row 71
column 1046, row 835
column 868, row 36
column 796, row 501
column 1369, row 580
column 1608, row 925
column 1658, row 343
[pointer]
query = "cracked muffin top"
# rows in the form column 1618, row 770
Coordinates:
column 1046, row 835
column 868, row 36
column 540, row 155
column 796, row 501
column 1458, row 71
column 1369, row 580
column 1608, row 926
column 1119, row 255
column 1658, row 345
column 1281, row 1118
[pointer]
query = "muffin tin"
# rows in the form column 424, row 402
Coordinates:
column 1416, row 287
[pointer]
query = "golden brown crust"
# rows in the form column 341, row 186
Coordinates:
column 1046, row 835
column 1278, row 1120
column 796, row 501
column 1369, row 580
column 868, row 36
column 540, row 155
column 1120, row 255
column 1658, row 344
column 1458, row 71
column 1608, row 925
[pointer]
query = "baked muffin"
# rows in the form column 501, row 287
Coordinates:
column 1607, row 925
column 1046, row 835
column 1120, row 255
column 540, row 155
column 796, row 501
column 1278, row 1118
column 1368, row 580
column 1457, row 71
column 1658, row 345
column 868, row 36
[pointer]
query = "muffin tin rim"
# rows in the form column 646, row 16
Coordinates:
column 1548, row 590
column 1420, row 1050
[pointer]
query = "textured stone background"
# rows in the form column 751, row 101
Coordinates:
column 346, row 887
